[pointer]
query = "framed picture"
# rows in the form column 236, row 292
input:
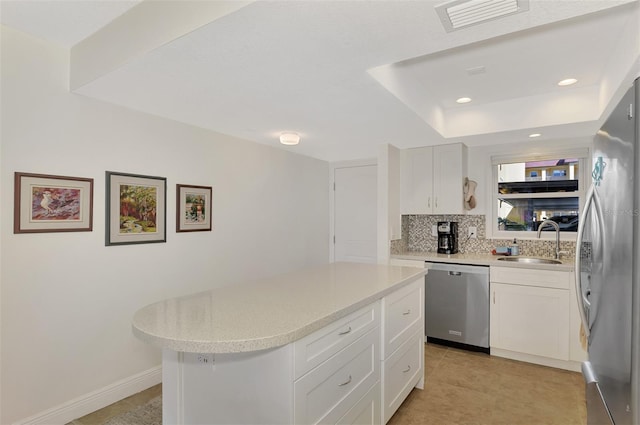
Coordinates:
column 46, row 203
column 136, row 209
column 193, row 208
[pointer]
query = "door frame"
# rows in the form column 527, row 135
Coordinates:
column 333, row 166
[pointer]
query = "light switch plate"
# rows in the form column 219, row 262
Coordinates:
column 434, row 230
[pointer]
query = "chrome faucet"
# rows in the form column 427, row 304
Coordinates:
column 557, row 229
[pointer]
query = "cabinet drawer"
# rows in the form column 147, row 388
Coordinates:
column 366, row 411
column 401, row 373
column 403, row 315
column 329, row 391
column 317, row 347
column 531, row 277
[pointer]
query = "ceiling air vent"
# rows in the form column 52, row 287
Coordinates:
column 458, row 14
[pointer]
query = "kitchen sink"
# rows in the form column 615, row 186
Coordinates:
column 530, row 260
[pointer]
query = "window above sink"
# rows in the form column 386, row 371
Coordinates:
column 530, row 189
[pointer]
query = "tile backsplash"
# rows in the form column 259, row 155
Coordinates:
column 416, row 237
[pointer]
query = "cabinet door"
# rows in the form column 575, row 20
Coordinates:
column 530, row 320
column 416, row 181
column 449, row 171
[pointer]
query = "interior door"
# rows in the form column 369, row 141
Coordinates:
column 355, row 214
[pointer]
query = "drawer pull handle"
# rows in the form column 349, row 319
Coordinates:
column 345, row 332
column 348, row 381
column 406, row 313
column 407, row 369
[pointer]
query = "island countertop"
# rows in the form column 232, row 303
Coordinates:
column 267, row 313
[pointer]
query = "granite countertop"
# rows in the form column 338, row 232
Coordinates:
column 482, row 260
column 267, row 313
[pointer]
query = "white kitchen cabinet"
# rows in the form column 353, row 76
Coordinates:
column 530, row 320
column 416, row 181
column 432, row 179
column 402, row 345
column 531, row 316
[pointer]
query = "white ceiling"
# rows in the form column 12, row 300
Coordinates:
column 351, row 75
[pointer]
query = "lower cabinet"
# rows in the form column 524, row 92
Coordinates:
column 530, row 320
column 402, row 346
column 533, row 317
column 355, row 370
column 366, row 381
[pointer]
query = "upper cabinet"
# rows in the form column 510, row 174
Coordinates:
column 432, row 179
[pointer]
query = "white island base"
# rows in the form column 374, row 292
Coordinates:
column 250, row 388
column 356, row 366
column 335, row 375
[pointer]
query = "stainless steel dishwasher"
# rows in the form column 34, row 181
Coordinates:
column 457, row 305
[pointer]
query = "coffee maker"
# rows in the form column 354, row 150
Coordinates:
column 447, row 237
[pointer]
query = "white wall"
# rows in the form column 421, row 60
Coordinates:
column 389, row 219
column 66, row 299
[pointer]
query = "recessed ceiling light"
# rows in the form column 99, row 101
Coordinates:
column 464, row 100
column 289, row 138
column 567, row 82
column 533, row 135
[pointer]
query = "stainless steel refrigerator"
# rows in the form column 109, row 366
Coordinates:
column 607, row 272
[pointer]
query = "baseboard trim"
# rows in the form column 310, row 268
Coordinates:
column 543, row 361
column 96, row 400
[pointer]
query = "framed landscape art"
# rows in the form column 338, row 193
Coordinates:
column 47, row 203
column 193, row 208
column 136, row 209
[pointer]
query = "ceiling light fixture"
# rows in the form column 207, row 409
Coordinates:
column 567, row 82
column 464, row 100
column 534, row 135
column 289, row 138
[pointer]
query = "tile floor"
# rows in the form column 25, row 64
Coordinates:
column 101, row 416
column 461, row 388
column 473, row 388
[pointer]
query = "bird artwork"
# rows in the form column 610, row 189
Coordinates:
column 53, row 203
column 46, row 202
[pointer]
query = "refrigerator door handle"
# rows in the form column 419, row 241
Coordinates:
column 591, row 199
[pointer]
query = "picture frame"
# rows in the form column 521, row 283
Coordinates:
column 45, row 203
column 136, row 209
column 193, row 208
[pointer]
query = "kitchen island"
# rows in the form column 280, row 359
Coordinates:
column 339, row 343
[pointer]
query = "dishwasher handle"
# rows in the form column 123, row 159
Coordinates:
column 452, row 273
